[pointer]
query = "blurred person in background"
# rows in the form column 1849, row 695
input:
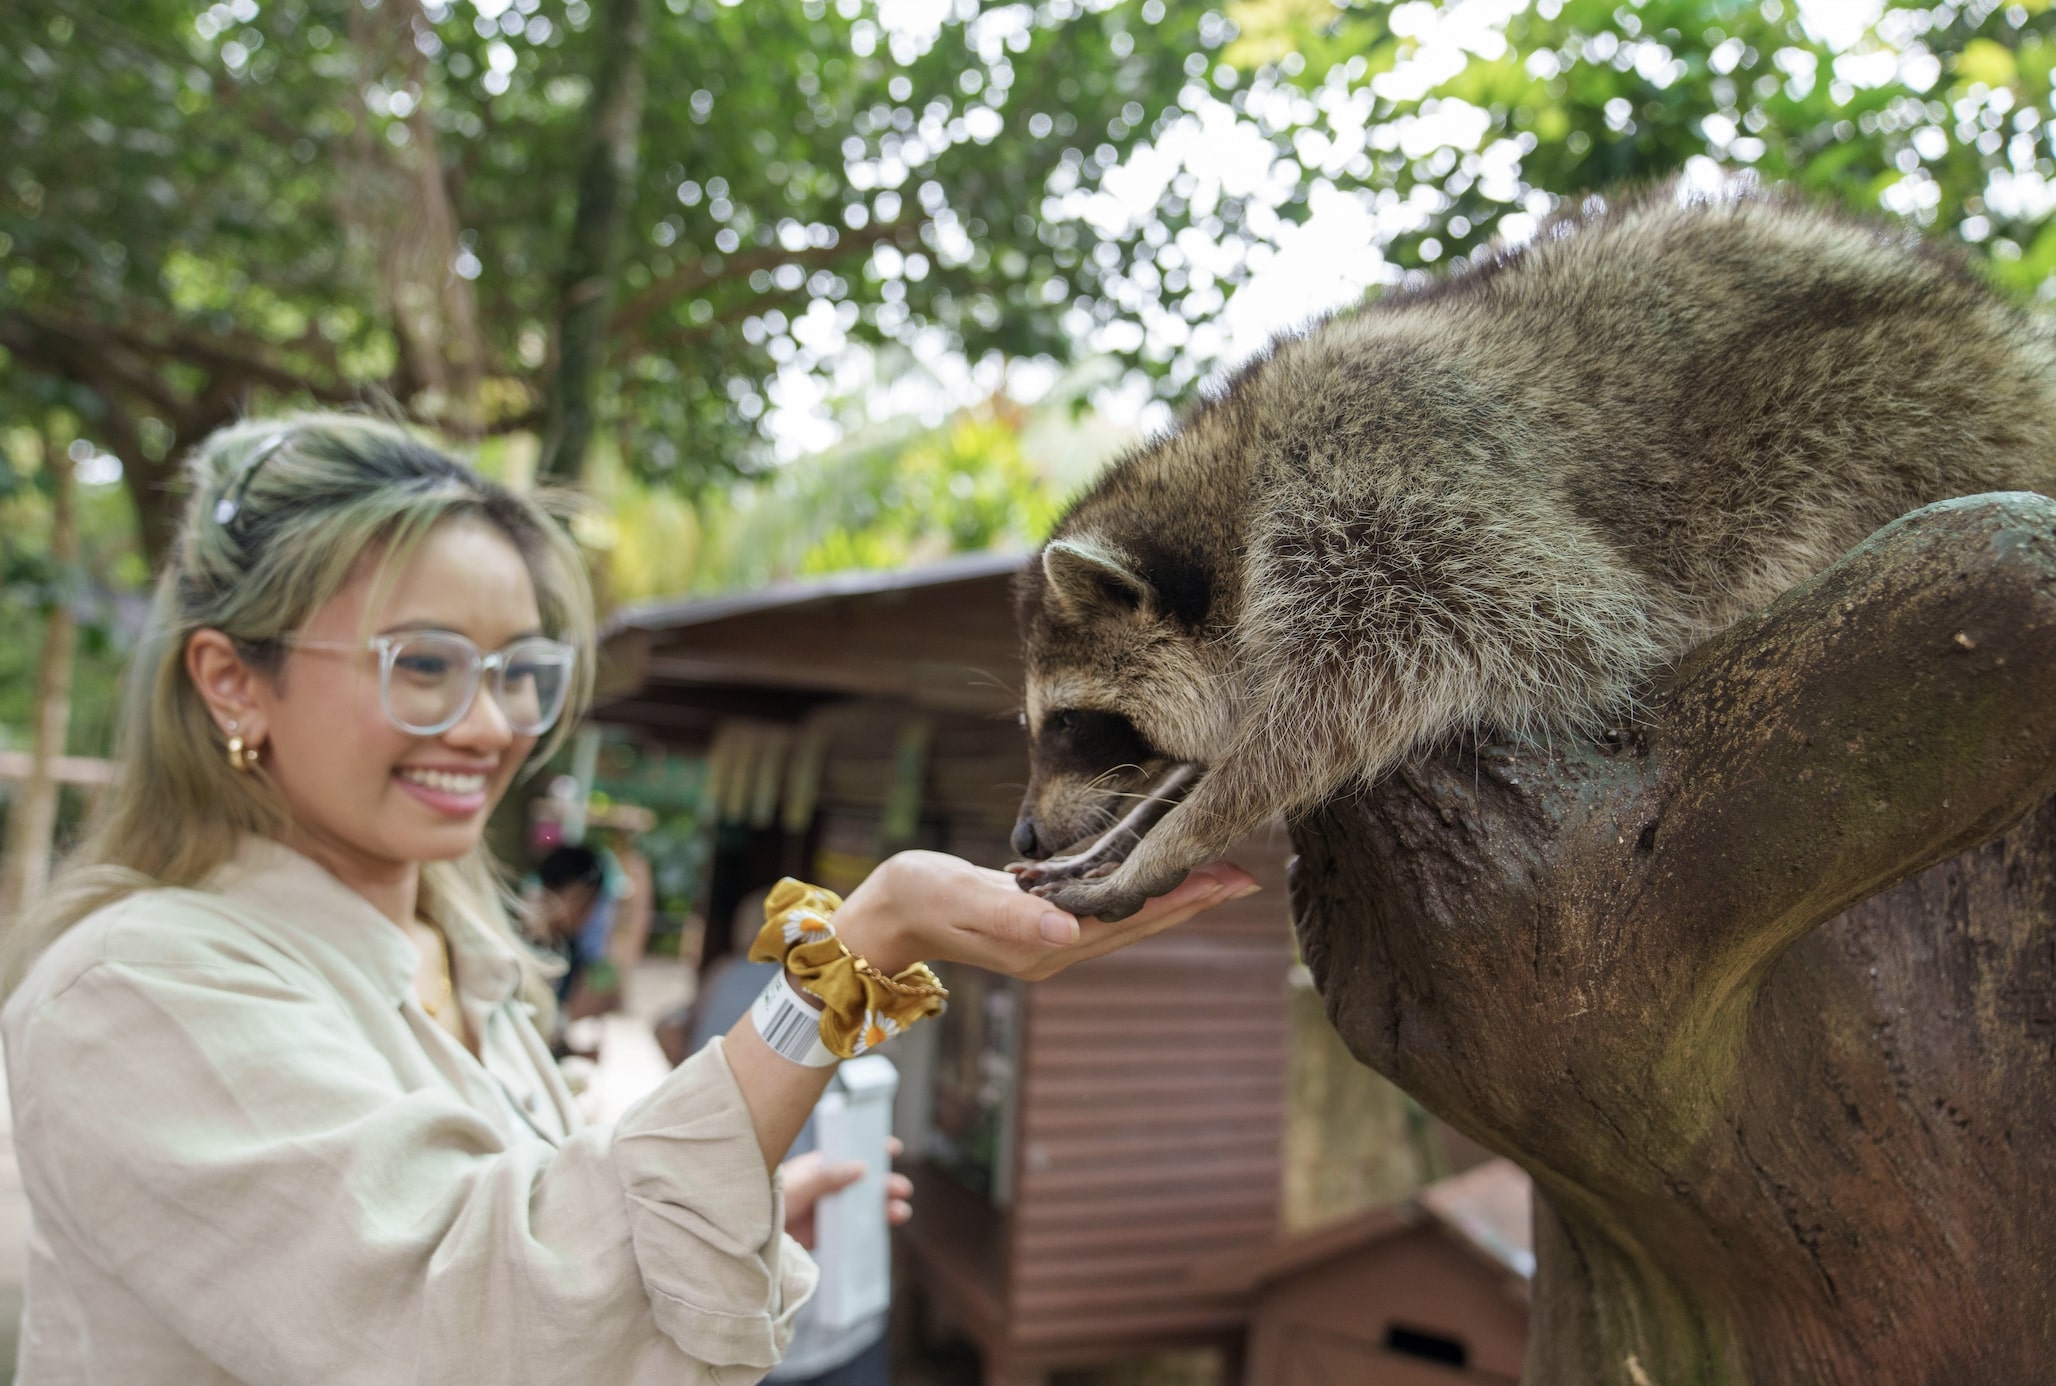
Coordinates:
column 574, row 916
column 634, row 886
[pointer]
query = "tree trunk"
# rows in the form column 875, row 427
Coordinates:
column 397, row 203
column 32, row 817
column 1783, row 1127
column 153, row 487
column 592, row 259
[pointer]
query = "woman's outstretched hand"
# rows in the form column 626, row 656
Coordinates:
column 926, row 906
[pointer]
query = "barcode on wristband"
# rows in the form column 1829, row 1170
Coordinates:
column 789, row 1025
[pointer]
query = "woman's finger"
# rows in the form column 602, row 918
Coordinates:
column 809, row 1178
column 977, row 915
column 1215, row 883
column 798, row 1172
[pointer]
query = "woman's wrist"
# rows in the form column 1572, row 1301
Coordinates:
column 851, row 958
column 872, row 927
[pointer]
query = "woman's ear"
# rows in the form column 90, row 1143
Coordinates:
column 226, row 684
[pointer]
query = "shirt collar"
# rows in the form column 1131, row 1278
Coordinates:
column 291, row 891
column 487, row 970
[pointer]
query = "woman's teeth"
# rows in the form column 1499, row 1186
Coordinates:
column 444, row 782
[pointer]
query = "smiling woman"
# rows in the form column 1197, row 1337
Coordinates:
column 313, row 531
column 280, row 1109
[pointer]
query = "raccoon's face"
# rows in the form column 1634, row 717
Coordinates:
column 1121, row 692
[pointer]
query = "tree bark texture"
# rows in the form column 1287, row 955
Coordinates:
column 1760, row 989
column 592, row 259
column 398, row 204
column 32, row 817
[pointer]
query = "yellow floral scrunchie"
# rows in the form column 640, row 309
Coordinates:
column 863, row 1007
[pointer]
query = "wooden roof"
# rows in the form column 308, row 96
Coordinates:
column 1490, row 1209
column 1484, row 1210
column 939, row 637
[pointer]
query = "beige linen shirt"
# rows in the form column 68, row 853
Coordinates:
column 252, row 1157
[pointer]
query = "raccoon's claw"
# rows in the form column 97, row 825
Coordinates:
column 1061, row 878
column 1071, row 866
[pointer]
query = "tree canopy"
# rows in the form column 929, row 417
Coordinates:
column 210, row 208
column 250, row 204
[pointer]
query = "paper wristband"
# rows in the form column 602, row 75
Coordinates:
column 789, row 1025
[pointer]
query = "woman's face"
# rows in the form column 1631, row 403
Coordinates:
column 363, row 794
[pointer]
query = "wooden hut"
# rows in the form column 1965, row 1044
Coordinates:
column 1080, row 1143
column 1429, row 1292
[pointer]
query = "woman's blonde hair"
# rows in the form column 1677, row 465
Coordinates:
column 281, row 514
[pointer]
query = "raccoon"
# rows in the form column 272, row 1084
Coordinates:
column 1500, row 503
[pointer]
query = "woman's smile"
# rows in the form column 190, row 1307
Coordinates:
column 459, row 793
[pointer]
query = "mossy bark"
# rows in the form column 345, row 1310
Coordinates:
column 1740, row 987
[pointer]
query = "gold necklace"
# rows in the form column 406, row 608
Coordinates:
column 435, row 1008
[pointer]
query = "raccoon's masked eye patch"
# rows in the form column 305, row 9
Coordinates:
column 1082, row 739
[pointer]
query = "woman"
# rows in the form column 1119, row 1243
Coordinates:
column 280, row 1107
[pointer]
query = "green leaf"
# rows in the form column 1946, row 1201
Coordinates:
column 1983, row 60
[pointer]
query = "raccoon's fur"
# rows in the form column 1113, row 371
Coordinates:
column 1499, row 503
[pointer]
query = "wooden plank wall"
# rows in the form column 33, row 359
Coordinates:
column 1152, row 1119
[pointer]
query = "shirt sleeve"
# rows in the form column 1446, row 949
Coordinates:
column 229, row 1146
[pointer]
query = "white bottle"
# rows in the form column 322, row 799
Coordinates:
column 851, row 1241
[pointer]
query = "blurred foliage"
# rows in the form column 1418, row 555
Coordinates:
column 1936, row 114
column 1458, row 124
column 102, row 590
column 961, row 488
column 208, row 208
column 891, row 496
column 203, row 205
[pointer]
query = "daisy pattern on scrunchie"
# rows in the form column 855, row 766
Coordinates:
column 875, row 1030
column 805, row 926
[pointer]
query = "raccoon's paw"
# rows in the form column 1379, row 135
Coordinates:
column 1092, row 899
column 1109, row 897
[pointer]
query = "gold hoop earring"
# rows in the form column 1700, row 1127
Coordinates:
column 240, row 757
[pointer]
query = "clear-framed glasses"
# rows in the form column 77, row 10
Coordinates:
column 428, row 679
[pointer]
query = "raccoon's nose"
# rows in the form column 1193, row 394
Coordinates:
column 1023, row 840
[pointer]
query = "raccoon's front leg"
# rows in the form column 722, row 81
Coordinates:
column 1224, row 806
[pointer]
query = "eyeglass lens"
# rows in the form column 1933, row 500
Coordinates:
column 432, row 678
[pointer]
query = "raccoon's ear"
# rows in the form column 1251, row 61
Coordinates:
column 1086, row 576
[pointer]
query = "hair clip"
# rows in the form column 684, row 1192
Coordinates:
column 231, row 504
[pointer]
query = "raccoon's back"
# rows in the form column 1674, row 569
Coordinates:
column 1729, row 393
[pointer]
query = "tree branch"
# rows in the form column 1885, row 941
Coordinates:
column 695, row 277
